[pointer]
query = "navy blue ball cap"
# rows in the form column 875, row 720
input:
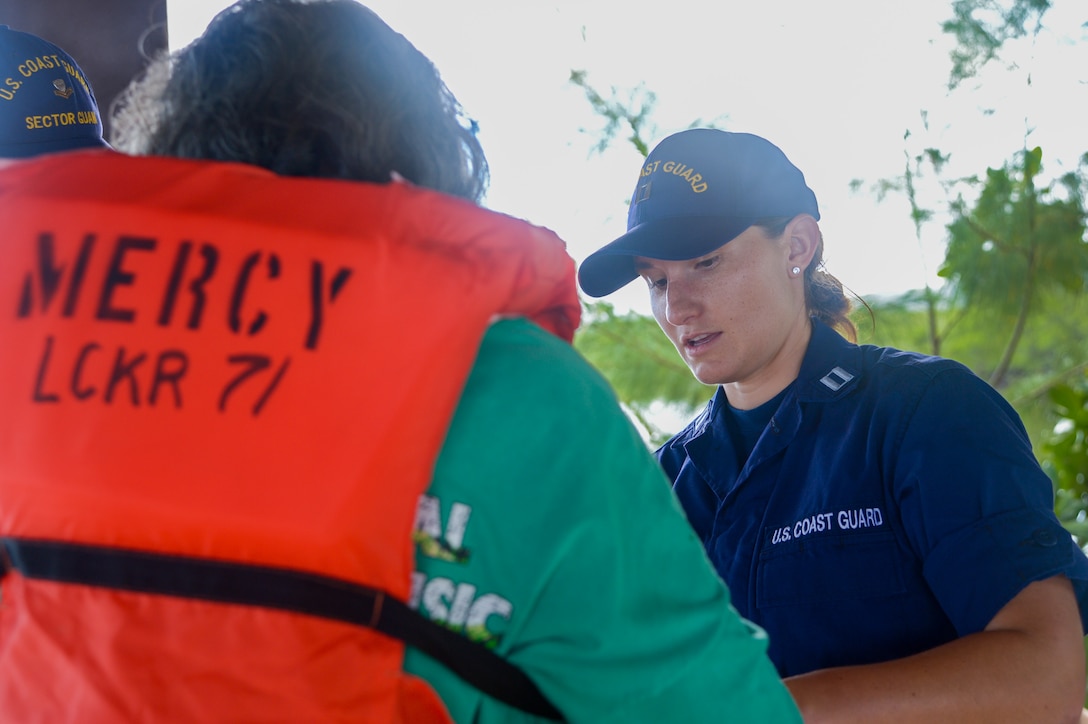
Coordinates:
column 697, row 190
column 46, row 103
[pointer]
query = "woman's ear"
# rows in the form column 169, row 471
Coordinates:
column 804, row 238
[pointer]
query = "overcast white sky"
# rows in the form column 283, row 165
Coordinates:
column 836, row 90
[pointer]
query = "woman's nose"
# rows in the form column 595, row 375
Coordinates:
column 680, row 304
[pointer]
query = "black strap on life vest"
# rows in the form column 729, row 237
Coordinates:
column 277, row 588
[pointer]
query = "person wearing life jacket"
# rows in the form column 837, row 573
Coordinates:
column 47, row 104
column 282, row 418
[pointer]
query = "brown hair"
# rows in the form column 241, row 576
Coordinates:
column 825, row 296
column 321, row 89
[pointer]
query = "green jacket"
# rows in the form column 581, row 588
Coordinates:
column 551, row 534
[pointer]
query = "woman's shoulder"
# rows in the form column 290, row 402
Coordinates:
column 889, row 378
column 881, row 364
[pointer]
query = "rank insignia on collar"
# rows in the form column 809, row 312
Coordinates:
column 836, row 378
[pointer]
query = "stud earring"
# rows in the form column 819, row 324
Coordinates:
column 795, row 271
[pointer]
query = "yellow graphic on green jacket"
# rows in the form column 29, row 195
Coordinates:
column 429, row 536
column 458, row 605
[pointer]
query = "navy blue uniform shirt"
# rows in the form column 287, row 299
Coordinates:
column 892, row 504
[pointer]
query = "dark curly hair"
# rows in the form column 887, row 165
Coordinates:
column 322, row 88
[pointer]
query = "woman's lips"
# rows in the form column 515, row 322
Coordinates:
column 696, row 343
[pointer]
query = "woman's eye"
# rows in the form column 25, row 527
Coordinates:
column 706, row 263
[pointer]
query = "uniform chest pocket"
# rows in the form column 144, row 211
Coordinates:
column 830, row 568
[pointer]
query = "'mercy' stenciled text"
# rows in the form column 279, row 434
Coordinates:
column 63, row 284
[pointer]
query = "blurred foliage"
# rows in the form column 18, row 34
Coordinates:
column 1018, row 245
column 629, row 113
column 1016, row 264
column 983, row 27
column 1065, row 455
column 1013, row 308
column 641, row 363
column 1053, row 355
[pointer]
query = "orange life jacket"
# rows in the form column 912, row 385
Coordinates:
column 210, row 362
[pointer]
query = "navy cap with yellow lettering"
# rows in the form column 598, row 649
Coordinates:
column 46, row 103
column 697, row 190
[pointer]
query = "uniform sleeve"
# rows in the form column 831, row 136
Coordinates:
column 615, row 612
column 976, row 504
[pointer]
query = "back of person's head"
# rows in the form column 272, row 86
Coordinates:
column 46, row 102
column 323, row 89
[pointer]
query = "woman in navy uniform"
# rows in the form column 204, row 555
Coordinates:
column 879, row 513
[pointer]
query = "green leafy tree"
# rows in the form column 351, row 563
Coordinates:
column 630, row 114
column 916, row 167
column 641, row 364
column 1015, row 261
column 626, row 113
column 982, row 28
column 1017, row 244
column 1066, row 456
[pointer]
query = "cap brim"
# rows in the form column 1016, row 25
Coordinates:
column 687, row 237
